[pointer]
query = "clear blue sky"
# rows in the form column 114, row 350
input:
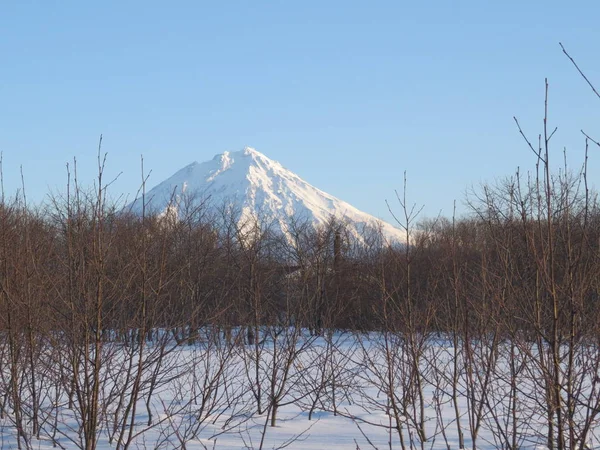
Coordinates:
column 348, row 94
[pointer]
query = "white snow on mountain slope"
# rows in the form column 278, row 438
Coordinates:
column 260, row 188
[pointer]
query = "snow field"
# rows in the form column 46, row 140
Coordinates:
column 337, row 391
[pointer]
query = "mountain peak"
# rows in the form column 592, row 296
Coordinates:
column 250, row 151
column 246, row 151
column 254, row 155
column 227, row 157
column 260, row 188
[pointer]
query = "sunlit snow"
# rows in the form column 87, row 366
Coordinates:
column 260, row 188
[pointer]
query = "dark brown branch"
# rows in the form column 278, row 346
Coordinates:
column 591, row 139
column 579, row 70
column 537, row 153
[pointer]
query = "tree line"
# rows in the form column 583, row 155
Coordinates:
column 87, row 289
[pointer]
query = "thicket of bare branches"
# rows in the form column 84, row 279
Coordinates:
column 481, row 329
column 490, row 321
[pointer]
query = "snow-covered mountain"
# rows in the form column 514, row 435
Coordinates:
column 257, row 187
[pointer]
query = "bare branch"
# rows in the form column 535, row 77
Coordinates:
column 579, row 70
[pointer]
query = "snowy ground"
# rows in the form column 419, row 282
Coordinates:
column 331, row 393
